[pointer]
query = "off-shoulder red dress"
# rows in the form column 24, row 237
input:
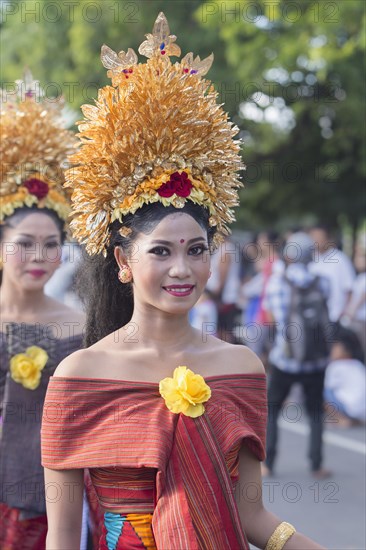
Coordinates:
column 165, row 480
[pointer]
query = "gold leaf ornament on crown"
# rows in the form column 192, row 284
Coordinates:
column 33, row 150
column 156, row 134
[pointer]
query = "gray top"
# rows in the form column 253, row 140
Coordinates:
column 21, row 473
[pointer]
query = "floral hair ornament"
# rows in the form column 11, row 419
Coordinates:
column 25, row 368
column 34, row 147
column 185, row 393
column 156, row 134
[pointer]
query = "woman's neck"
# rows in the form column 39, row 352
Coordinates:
column 18, row 303
column 161, row 330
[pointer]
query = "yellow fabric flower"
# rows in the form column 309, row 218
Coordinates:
column 185, row 392
column 25, row 368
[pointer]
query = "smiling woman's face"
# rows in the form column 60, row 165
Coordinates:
column 170, row 266
column 31, row 251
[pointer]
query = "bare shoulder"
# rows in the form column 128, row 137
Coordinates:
column 244, row 360
column 237, row 359
column 78, row 364
column 105, row 359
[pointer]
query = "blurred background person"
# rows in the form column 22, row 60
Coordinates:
column 345, row 380
column 334, row 264
column 296, row 300
column 37, row 332
column 203, row 315
column 223, row 286
column 61, row 284
column 258, row 326
column 354, row 315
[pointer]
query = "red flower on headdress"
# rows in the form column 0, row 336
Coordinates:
column 37, row 187
column 178, row 183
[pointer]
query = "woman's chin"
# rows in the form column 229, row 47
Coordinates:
column 178, row 308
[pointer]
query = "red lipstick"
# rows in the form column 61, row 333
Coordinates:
column 179, row 290
column 37, row 273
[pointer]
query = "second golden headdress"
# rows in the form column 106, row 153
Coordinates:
column 33, row 150
column 156, row 134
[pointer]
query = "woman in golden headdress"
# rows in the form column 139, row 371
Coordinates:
column 170, row 422
column 36, row 331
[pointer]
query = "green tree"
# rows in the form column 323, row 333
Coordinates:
column 299, row 101
column 60, row 41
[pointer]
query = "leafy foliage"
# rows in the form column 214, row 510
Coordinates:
column 290, row 74
column 303, row 113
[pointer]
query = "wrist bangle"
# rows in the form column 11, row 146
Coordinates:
column 280, row 536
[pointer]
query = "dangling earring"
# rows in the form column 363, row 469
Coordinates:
column 125, row 274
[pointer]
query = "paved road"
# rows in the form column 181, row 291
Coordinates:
column 331, row 511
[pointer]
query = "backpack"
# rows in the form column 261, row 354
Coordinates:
column 307, row 328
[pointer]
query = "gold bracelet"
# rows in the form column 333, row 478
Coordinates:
column 280, row 536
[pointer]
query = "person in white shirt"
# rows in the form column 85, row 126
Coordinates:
column 60, row 286
column 345, row 380
column 224, row 287
column 203, row 315
column 355, row 314
column 334, row 264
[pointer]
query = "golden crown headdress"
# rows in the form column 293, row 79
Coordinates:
column 156, row 134
column 33, row 150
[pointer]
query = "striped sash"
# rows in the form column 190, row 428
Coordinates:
column 196, row 508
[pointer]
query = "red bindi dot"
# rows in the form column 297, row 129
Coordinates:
column 181, row 241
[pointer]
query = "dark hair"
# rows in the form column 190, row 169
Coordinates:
column 326, row 228
column 20, row 213
column 108, row 303
column 350, row 341
column 271, row 235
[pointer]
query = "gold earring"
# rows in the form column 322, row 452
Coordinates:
column 125, row 274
